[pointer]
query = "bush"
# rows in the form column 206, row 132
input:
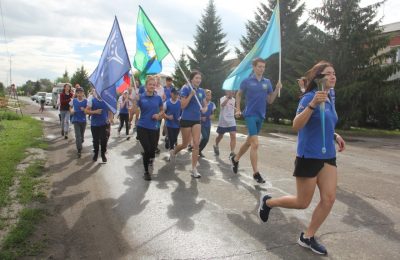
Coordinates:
column 394, row 121
column 9, row 116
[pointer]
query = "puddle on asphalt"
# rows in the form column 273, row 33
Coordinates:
column 42, row 118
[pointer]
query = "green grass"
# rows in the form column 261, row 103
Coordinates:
column 15, row 137
column 27, row 190
column 16, row 243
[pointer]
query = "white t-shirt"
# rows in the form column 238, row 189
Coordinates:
column 227, row 113
column 160, row 92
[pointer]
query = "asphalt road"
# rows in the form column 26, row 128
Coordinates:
column 107, row 211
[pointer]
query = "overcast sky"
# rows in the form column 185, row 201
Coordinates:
column 45, row 37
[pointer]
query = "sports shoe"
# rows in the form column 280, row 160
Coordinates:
column 190, row 148
column 235, row 165
column 201, row 155
column 195, row 174
column 128, row 138
column 147, row 176
column 232, row 154
column 95, row 157
column 103, row 157
column 216, row 150
column 312, row 244
column 258, row 178
column 263, row 210
column 66, row 136
column 171, row 156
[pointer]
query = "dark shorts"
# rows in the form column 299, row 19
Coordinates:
column 188, row 123
column 223, row 130
column 309, row 168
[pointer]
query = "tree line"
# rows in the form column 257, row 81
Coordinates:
column 350, row 37
column 339, row 31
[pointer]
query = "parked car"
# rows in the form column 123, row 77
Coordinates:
column 34, row 97
column 41, row 95
column 49, row 99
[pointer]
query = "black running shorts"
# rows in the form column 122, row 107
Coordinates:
column 188, row 123
column 309, row 168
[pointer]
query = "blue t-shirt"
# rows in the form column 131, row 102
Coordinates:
column 309, row 144
column 167, row 92
column 98, row 120
column 192, row 110
column 172, row 109
column 210, row 109
column 256, row 93
column 79, row 115
column 141, row 89
column 149, row 105
column 123, row 109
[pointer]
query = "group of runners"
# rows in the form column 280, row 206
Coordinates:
column 188, row 111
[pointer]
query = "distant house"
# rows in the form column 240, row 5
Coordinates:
column 393, row 30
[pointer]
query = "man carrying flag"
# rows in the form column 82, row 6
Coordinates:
column 257, row 91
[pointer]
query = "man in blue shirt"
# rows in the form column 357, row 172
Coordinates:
column 258, row 91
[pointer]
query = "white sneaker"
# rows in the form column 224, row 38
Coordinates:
column 195, row 174
column 172, row 156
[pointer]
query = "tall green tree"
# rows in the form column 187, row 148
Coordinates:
column 64, row 79
column 299, row 51
column 2, row 89
column 46, row 85
column 209, row 51
column 178, row 78
column 365, row 96
column 81, row 77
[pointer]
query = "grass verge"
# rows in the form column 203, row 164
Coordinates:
column 16, row 243
column 15, row 137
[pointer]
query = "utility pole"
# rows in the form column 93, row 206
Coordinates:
column 10, row 72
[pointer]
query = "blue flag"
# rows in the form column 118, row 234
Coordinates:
column 113, row 64
column 268, row 44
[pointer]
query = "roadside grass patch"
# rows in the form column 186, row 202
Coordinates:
column 15, row 137
column 29, row 183
column 16, row 244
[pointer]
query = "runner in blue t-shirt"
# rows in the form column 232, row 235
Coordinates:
column 100, row 118
column 148, row 125
column 206, row 122
column 77, row 110
column 190, row 118
column 312, row 167
column 258, row 91
column 172, row 109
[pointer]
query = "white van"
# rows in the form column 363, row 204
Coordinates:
column 56, row 91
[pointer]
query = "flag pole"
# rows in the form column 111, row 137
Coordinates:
column 280, row 42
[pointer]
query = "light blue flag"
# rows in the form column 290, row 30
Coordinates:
column 268, row 44
column 113, row 64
